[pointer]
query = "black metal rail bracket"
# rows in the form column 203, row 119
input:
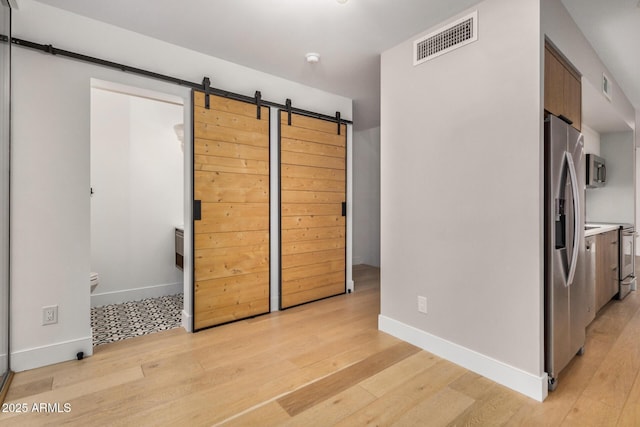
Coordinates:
column 206, row 87
column 258, row 97
column 288, row 105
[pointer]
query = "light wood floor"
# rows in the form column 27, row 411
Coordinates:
column 325, row 364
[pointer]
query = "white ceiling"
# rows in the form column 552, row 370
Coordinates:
column 613, row 29
column 274, row 35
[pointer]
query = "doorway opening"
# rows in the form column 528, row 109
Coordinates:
column 137, row 204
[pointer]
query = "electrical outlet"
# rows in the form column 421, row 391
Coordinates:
column 50, row 315
column 422, row 304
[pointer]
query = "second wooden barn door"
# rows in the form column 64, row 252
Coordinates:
column 312, row 209
column 231, row 210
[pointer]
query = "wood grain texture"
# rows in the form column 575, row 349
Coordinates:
column 300, row 121
column 312, row 189
column 318, row 161
column 313, row 270
column 212, row 133
column 302, row 197
column 293, row 297
column 300, row 247
column 227, row 262
column 606, row 267
column 229, row 105
column 233, row 150
column 562, row 87
column 573, row 99
column 238, row 374
column 305, row 234
column 311, row 184
column 298, row 146
column 553, row 83
column 306, row 397
column 233, row 165
column 291, row 171
column 298, row 209
column 231, row 240
column 312, row 221
column 306, row 132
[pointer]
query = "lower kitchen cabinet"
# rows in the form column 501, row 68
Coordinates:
column 606, row 267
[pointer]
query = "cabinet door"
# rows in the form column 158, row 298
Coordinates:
column 553, row 83
column 562, row 87
column 572, row 102
column 602, row 270
column 606, row 267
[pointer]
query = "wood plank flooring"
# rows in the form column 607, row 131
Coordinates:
column 325, row 363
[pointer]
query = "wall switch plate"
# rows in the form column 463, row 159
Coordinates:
column 422, row 304
column 50, row 315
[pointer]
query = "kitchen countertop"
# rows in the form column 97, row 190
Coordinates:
column 600, row 228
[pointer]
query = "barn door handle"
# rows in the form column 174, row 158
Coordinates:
column 197, row 210
column 344, row 208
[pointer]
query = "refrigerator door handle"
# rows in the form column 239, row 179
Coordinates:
column 577, row 232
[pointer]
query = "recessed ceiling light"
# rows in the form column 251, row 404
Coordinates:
column 342, row 1
column 312, row 57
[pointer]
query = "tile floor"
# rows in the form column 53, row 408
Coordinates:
column 117, row 322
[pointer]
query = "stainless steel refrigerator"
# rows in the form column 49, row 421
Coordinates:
column 565, row 287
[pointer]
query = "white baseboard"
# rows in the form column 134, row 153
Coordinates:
column 187, row 321
column 37, row 357
column 357, row 260
column 516, row 379
column 136, row 294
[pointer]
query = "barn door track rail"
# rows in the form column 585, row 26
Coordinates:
column 204, row 86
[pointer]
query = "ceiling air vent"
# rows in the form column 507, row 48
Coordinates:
column 443, row 40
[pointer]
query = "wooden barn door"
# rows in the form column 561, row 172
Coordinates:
column 312, row 209
column 231, row 210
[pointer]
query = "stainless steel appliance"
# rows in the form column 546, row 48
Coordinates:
column 596, row 171
column 627, row 256
column 565, row 289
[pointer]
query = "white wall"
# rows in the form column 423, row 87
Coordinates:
column 366, row 197
column 591, row 140
column 461, row 197
column 137, row 174
column 615, row 202
column 50, row 172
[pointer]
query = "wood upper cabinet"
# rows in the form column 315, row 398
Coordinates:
column 562, row 87
column 573, row 99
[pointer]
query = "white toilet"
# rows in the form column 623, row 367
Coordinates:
column 94, row 280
